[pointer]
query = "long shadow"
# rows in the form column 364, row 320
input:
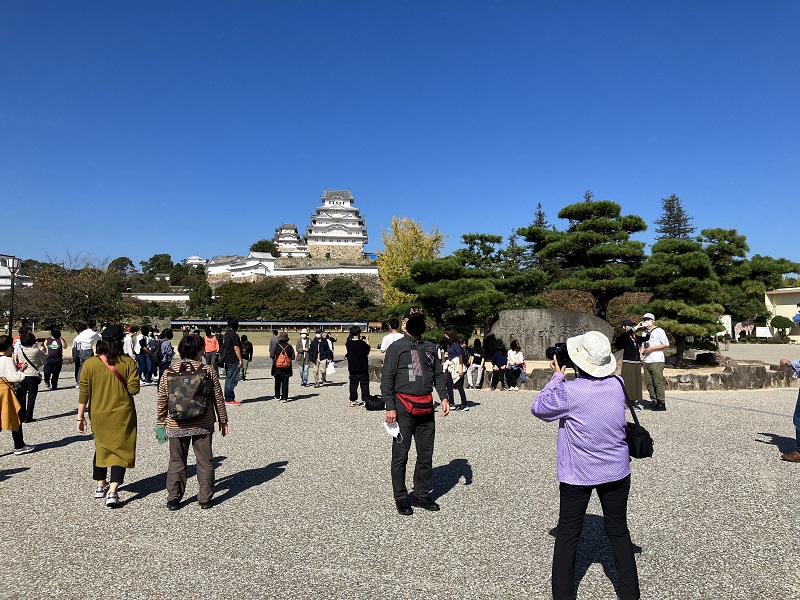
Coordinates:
column 336, row 383
column 7, row 473
column 594, row 547
column 445, row 477
column 158, row 483
column 786, row 445
column 66, row 414
column 236, row 483
column 64, row 442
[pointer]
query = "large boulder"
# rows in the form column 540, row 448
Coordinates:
column 538, row 329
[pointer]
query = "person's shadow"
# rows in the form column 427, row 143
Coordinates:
column 785, row 445
column 64, row 442
column 236, row 483
column 594, row 547
column 7, row 473
column 445, row 477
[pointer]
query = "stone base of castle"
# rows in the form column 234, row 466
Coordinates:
column 335, row 252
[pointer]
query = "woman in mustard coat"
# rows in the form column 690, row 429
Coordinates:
column 107, row 385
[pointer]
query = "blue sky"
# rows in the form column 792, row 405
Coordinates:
column 133, row 128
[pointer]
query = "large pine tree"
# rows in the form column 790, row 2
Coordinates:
column 675, row 223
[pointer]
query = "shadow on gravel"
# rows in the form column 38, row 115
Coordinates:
column 785, row 444
column 446, row 477
column 158, row 483
column 242, row 481
column 595, row 548
column 7, row 473
column 64, row 442
column 66, row 414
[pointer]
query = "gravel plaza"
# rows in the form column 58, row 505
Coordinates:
column 303, row 505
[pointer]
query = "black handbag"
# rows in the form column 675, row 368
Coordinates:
column 374, row 403
column 640, row 443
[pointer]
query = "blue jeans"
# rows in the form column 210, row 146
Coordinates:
column 231, row 379
column 144, row 362
column 304, row 374
column 797, row 421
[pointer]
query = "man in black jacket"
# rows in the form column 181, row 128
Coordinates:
column 319, row 353
column 411, row 370
column 358, row 365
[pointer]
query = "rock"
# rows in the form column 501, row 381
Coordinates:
column 538, row 329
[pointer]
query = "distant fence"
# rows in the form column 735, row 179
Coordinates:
column 341, row 326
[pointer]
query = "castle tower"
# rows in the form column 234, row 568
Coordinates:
column 288, row 241
column 337, row 230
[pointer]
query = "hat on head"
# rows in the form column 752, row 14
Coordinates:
column 413, row 312
column 627, row 322
column 319, row 330
column 113, row 333
column 283, row 336
column 304, row 330
column 650, row 316
column 591, row 353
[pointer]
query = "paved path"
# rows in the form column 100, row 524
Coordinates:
column 305, row 511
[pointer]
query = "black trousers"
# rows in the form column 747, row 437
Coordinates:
column 423, row 430
column 357, row 379
column 99, row 473
column 26, row 394
column 614, row 500
column 52, row 369
column 281, row 385
column 450, row 386
column 19, row 441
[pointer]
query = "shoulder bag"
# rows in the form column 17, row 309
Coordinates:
column 640, row 444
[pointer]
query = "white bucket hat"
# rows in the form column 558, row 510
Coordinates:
column 591, row 353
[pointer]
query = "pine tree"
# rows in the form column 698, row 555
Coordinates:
column 675, row 223
column 539, row 218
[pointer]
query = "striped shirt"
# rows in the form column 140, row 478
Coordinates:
column 200, row 425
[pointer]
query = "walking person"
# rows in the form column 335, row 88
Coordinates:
column 477, row 364
column 282, row 357
column 210, row 348
column 392, row 336
column 411, row 371
column 358, row 349
column 232, row 355
column 220, row 343
column 144, row 362
column 34, row 358
column 319, row 354
column 655, row 340
column 514, row 365
column 108, row 383
column 303, row 346
column 129, row 345
column 727, row 340
column 54, row 361
column 454, row 371
column 9, row 375
column 499, row 361
column 794, row 456
column 198, row 430
column 167, row 351
column 247, row 355
column 84, row 344
column 629, row 342
column 592, row 454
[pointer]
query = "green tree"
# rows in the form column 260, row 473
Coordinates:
column 674, row 222
column 200, row 298
column 783, row 325
column 539, row 218
column 405, row 243
column 265, row 246
column 178, row 274
column 341, row 290
column 684, row 287
column 595, row 253
column 158, row 263
column 123, row 266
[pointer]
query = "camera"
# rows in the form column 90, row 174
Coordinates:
column 559, row 350
column 363, row 337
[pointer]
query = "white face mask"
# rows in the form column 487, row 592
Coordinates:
column 393, row 429
column 319, row 335
column 303, row 335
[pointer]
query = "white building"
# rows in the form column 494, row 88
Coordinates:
column 289, row 241
column 5, row 275
column 337, row 229
column 255, row 263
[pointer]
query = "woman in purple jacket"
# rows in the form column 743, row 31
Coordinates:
column 592, row 454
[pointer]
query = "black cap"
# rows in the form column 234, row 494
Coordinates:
column 113, row 333
column 627, row 322
column 414, row 312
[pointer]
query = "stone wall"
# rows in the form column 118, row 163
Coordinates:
column 336, row 252
column 537, row 329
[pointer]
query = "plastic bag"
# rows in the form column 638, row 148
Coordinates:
column 331, row 369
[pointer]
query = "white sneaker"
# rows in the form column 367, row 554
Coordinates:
column 25, row 449
column 100, row 492
column 112, row 500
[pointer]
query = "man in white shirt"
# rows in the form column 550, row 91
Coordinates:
column 129, row 342
column 655, row 340
column 394, row 325
column 84, row 343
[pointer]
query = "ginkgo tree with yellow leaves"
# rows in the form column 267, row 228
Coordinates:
column 405, row 243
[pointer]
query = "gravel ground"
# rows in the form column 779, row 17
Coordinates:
column 304, row 506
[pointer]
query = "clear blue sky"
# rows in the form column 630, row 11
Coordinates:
column 133, row 128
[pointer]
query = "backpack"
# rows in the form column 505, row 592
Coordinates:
column 157, row 356
column 188, row 392
column 283, row 361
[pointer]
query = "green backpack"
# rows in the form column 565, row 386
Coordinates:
column 188, row 392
